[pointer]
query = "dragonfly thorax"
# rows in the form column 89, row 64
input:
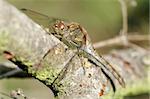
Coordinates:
column 70, row 32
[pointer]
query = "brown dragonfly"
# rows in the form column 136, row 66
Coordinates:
column 76, row 37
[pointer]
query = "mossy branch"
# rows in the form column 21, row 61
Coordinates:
column 26, row 41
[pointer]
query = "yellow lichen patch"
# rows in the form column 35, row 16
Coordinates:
column 3, row 40
column 59, row 50
column 46, row 74
column 78, row 39
column 86, row 63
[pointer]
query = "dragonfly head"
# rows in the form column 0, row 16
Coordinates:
column 59, row 28
column 71, row 32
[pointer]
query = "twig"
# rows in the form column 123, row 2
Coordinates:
column 137, row 37
column 124, row 17
column 124, row 31
column 149, row 37
column 109, row 42
column 118, row 40
column 124, row 38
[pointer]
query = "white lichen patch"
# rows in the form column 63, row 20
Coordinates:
column 146, row 60
column 47, row 30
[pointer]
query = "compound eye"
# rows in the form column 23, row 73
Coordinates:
column 56, row 25
column 61, row 25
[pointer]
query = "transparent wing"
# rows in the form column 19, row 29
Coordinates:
column 105, row 65
column 39, row 18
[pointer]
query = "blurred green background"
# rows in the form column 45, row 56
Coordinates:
column 101, row 18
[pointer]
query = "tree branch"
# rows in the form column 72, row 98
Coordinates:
column 118, row 40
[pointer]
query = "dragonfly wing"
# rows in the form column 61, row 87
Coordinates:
column 39, row 18
column 106, row 66
column 113, row 71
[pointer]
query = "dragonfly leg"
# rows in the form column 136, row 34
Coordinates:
column 63, row 71
column 60, row 76
column 49, row 51
column 43, row 57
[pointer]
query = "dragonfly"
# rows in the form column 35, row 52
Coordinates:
column 76, row 37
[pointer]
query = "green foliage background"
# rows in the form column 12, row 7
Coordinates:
column 101, row 18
